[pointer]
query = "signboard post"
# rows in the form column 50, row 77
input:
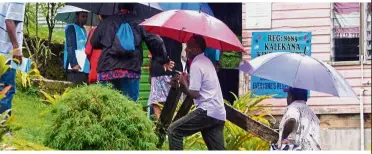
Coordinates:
column 269, row 42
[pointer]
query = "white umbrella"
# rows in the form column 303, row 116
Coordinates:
column 299, row 71
column 67, row 14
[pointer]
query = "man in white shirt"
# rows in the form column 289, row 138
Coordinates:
column 11, row 38
column 210, row 115
column 300, row 126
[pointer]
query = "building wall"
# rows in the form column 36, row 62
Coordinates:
column 316, row 17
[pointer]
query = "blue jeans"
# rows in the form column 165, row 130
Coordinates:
column 128, row 87
column 8, row 78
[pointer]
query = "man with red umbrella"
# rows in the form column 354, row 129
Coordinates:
column 204, row 87
column 200, row 31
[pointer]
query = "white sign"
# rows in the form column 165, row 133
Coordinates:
column 258, row 15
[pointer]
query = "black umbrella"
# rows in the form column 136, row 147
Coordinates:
column 142, row 10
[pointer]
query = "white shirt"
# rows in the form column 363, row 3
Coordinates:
column 14, row 11
column 299, row 111
column 203, row 78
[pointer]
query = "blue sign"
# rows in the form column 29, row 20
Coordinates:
column 269, row 42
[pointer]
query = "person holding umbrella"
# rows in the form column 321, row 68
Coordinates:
column 75, row 42
column 300, row 126
column 204, row 87
column 120, row 65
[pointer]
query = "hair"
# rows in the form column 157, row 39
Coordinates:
column 127, row 6
column 298, row 94
column 104, row 16
column 200, row 41
column 78, row 13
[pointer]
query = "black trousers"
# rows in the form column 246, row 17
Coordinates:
column 197, row 120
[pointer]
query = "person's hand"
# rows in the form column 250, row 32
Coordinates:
column 169, row 66
column 17, row 56
column 184, row 79
column 285, row 141
column 175, row 80
column 76, row 68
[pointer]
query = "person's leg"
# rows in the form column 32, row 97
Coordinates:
column 8, row 78
column 193, row 122
column 213, row 136
column 130, row 88
column 157, row 111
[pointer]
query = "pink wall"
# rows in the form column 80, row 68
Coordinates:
column 314, row 17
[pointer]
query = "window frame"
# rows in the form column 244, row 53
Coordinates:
column 364, row 30
column 362, row 38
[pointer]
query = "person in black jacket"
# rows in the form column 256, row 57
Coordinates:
column 160, row 79
column 124, row 71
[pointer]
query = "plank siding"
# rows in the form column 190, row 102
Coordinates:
column 314, row 17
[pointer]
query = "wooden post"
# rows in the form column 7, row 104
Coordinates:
column 250, row 125
column 167, row 113
column 185, row 108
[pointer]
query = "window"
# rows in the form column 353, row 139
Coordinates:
column 346, row 31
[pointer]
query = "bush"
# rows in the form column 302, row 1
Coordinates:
column 98, row 118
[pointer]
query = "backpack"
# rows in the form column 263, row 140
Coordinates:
column 124, row 41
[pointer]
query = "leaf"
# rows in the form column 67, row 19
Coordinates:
column 3, row 66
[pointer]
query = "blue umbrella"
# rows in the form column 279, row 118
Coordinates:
column 212, row 54
column 203, row 7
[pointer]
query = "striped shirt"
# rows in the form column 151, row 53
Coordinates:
column 13, row 11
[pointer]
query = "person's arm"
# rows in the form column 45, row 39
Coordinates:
column 14, row 16
column 155, row 45
column 150, row 67
column 11, row 29
column 293, row 116
column 289, row 127
column 71, row 47
column 88, row 46
column 192, row 87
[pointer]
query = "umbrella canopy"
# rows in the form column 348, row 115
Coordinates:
column 203, row 7
column 213, row 54
column 142, row 10
column 182, row 24
column 67, row 14
column 299, row 71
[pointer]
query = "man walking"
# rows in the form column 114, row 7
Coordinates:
column 210, row 115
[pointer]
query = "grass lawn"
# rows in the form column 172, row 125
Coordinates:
column 28, row 123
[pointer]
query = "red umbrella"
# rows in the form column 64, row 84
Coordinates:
column 182, row 24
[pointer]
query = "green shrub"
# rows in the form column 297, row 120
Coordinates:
column 99, row 118
column 230, row 60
